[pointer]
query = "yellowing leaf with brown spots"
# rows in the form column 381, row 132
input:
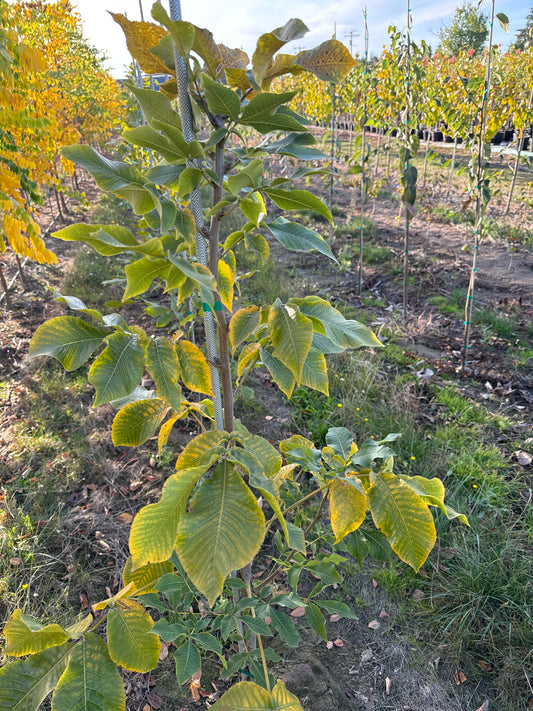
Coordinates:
column 141, row 37
column 330, row 61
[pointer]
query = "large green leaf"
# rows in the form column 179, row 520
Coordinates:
column 168, row 175
column 281, row 375
column 285, row 627
column 145, row 577
column 192, row 149
column 270, row 42
column 25, row 635
column 187, row 658
column 265, row 452
column 139, row 197
column 403, row 517
column 138, row 421
column 243, row 323
column 275, row 122
column 315, row 372
column 110, row 175
column 198, row 273
column 298, row 200
column 248, row 696
column 148, row 137
column 25, row 683
column 198, row 451
column 155, row 105
column 105, row 239
column 345, row 333
column 300, row 146
column 190, row 179
column 347, row 508
column 316, row 620
column 68, row 339
column 220, row 99
column 292, row 334
column 330, row 61
column 182, row 33
column 118, row 369
column 91, row 681
column 128, row 637
column 154, row 529
column 432, row 492
column 253, row 208
column 340, row 439
column 297, row 238
column 163, row 364
column 265, row 104
column 222, row 532
column 141, row 273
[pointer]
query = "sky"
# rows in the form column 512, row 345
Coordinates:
column 239, row 23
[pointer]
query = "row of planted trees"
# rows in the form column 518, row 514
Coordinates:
column 409, row 94
column 54, row 91
column 446, row 91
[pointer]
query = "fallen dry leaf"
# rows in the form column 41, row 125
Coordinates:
column 83, row 601
column 147, row 707
column 484, row 706
column 485, row 666
column 125, row 517
column 163, row 654
column 329, row 645
column 374, row 583
column 374, row 625
column 334, row 618
column 418, row 595
column 195, row 685
column 383, row 614
column 338, row 642
column 459, row 677
column 298, row 612
column 154, row 700
column 524, row 459
column 15, row 561
column 387, row 685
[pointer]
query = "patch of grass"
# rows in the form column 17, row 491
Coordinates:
column 353, row 228
column 454, row 304
column 483, row 605
column 85, row 275
column 444, row 213
column 111, row 210
column 461, row 407
column 502, row 326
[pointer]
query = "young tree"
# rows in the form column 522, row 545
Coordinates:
column 468, row 30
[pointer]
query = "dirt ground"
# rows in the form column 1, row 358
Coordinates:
column 378, row 662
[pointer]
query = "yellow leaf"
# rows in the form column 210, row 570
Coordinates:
column 347, row 508
column 194, row 368
column 141, row 37
column 226, row 280
column 24, row 635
